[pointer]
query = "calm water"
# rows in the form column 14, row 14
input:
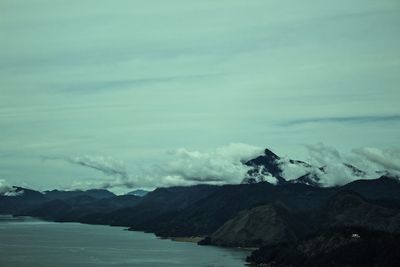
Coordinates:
column 34, row 243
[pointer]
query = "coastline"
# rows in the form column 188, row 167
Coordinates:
column 189, row 239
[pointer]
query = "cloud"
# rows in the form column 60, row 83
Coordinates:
column 292, row 171
column 263, row 176
column 345, row 119
column 104, row 164
column 323, row 155
column 181, row 167
column 7, row 190
column 111, row 183
column 334, row 167
column 335, row 164
column 388, row 158
column 219, row 166
column 4, row 187
column 96, row 86
column 224, row 165
column 107, row 165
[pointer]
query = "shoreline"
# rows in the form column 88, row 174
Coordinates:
column 188, row 239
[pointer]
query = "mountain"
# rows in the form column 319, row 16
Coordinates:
column 311, row 179
column 95, row 193
column 152, row 207
column 270, row 164
column 258, row 226
column 351, row 209
column 343, row 246
column 267, row 164
column 201, row 210
column 350, row 231
column 138, row 192
column 63, row 205
column 285, row 220
column 291, row 224
column 383, row 187
column 74, row 208
column 22, row 199
column 27, row 194
column 205, row 216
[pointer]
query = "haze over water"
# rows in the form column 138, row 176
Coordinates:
column 34, row 243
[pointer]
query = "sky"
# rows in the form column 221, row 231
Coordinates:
column 138, row 93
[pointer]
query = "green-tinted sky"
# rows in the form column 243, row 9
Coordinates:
column 118, row 83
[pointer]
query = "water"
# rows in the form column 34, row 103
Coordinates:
column 34, row 243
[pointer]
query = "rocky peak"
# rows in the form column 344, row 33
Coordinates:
column 264, row 165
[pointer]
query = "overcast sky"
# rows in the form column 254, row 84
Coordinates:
column 89, row 85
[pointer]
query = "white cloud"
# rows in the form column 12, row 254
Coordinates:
column 4, row 187
column 265, row 176
column 334, row 172
column 109, row 166
column 181, row 167
column 105, row 164
column 388, row 159
column 222, row 165
column 371, row 161
column 291, row 171
column 7, row 190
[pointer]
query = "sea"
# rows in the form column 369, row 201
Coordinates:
column 29, row 242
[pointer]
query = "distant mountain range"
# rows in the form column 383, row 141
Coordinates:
column 255, row 213
column 138, row 192
column 94, row 193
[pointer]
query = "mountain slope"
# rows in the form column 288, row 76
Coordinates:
column 383, row 187
column 208, row 214
column 24, row 198
column 262, row 225
column 346, row 246
column 73, row 209
column 155, row 204
column 201, row 210
column 350, row 209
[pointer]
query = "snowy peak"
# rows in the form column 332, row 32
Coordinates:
column 272, row 168
column 264, row 167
